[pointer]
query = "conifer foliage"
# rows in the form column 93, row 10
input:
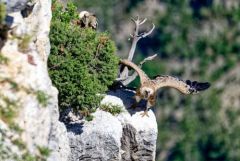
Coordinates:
column 82, row 63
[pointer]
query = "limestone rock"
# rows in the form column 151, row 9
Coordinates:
column 15, row 5
column 24, row 78
column 95, row 140
column 126, row 136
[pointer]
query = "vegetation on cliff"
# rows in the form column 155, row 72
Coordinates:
column 82, row 63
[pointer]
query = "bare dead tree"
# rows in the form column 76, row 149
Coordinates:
column 124, row 76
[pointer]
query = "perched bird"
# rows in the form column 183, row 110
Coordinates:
column 148, row 88
column 88, row 19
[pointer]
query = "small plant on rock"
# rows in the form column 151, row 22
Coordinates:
column 111, row 108
column 42, row 98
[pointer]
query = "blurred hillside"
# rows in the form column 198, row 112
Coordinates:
column 195, row 39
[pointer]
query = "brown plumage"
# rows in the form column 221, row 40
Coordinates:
column 148, row 88
column 88, row 19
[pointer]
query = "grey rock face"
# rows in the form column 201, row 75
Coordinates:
column 125, row 137
column 57, row 138
column 136, row 146
column 95, row 140
column 14, row 5
column 27, row 67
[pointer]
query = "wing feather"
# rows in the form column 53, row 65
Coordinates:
column 185, row 87
column 142, row 75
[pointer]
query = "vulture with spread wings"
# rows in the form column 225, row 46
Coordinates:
column 149, row 87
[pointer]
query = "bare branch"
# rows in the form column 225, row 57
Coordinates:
column 131, row 78
column 147, row 59
column 143, row 21
column 136, row 22
column 135, row 38
column 120, row 79
column 145, row 34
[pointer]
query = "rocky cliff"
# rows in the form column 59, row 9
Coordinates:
column 29, row 115
column 26, row 89
column 125, row 136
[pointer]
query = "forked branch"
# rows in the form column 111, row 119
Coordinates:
column 132, row 77
column 135, row 38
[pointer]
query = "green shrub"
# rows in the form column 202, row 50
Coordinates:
column 82, row 63
column 2, row 12
column 42, row 98
column 111, row 108
column 8, row 110
column 89, row 117
column 3, row 59
column 3, row 27
column 24, row 42
column 44, row 151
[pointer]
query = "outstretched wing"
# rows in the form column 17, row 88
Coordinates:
column 142, row 75
column 185, row 87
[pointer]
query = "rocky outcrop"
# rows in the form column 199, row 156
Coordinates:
column 26, row 86
column 126, row 136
